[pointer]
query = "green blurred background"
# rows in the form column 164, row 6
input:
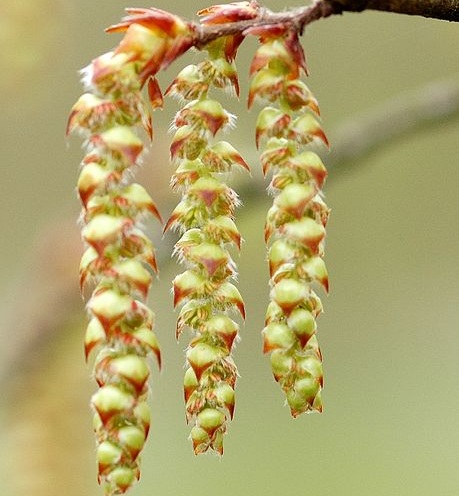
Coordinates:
column 389, row 334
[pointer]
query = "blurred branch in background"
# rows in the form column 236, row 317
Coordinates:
column 408, row 113
column 46, row 298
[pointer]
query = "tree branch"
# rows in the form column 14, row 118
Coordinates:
column 300, row 17
column 447, row 10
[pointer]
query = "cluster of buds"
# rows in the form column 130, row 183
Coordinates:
column 205, row 219
column 119, row 259
column 295, row 224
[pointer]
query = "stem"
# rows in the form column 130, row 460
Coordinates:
column 447, row 10
column 300, row 17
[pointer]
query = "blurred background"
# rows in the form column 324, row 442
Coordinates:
column 389, row 333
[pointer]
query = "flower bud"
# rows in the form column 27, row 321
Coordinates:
column 303, row 324
column 222, row 326
column 282, row 363
column 140, row 315
column 142, row 414
column 122, row 478
column 281, row 251
column 135, row 197
column 296, row 401
column 186, row 215
column 121, row 140
column 210, row 256
column 132, row 368
column 273, row 313
column 147, row 338
column 108, row 455
column 188, row 84
column 187, row 143
column 192, row 314
column 103, row 74
column 186, row 173
column 224, row 394
column 295, row 198
column 276, row 152
column 223, row 229
column 210, row 419
column 201, row 356
column 221, row 156
column 308, row 387
column 289, row 293
column 265, row 84
column 305, row 128
column 137, row 244
column 205, row 113
column 273, row 54
column 298, row 96
column 109, row 307
column 142, row 41
column 312, row 164
column 190, row 383
column 131, row 438
column 208, row 190
column 311, row 364
column 277, row 336
column 132, row 273
column 188, row 284
column 200, row 439
column 94, row 336
column 94, row 178
column 314, row 269
column 320, row 210
column 91, row 113
column 224, row 73
column 227, row 295
column 110, row 400
column 104, row 230
column 313, row 348
column 271, row 122
column 306, row 230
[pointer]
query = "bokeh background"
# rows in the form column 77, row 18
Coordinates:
column 389, row 334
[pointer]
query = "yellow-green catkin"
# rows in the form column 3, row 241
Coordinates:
column 120, row 259
column 205, row 219
column 295, row 224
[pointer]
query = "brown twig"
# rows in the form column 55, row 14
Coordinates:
column 301, row 17
column 447, row 10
